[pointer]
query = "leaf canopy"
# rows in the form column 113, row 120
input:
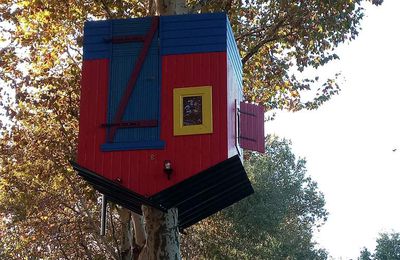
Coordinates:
column 45, row 210
column 276, row 222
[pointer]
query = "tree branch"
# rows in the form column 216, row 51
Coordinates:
column 86, row 211
column 113, row 233
column 85, row 248
column 150, row 9
column 228, row 5
column 107, row 9
column 266, row 40
column 71, row 57
column 253, row 31
column 256, row 48
column 59, row 242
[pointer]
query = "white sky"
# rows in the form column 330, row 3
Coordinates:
column 348, row 142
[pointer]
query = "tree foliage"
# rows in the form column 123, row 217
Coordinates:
column 387, row 248
column 365, row 254
column 45, row 210
column 277, row 37
column 277, row 222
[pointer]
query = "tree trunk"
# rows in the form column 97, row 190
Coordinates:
column 127, row 245
column 159, row 239
column 162, row 234
column 140, row 235
column 170, row 7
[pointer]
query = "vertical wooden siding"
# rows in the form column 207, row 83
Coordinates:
column 194, row 153
column 233, row 99
column 93, row 109
column 132, row 167
column 94, row 44
column 145, row 99
column 142, row 171
column 234, row 55
column 234, row 88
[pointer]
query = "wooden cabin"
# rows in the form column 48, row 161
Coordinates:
column 162, row 120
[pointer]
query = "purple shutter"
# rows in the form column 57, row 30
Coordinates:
column 251, row 127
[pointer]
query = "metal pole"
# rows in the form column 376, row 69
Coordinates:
column 103, row 215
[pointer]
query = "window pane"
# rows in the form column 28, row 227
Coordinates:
column 192, row 110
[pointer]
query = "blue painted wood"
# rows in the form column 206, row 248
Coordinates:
column 195, row 33
column 109, row 147
column 234, row 55
column 94, row 44
column 200, row 32
column 180, row 34
column 144, row 101
column 122, row 27
column 195, row 41
column 169, row 26
column 195, row 17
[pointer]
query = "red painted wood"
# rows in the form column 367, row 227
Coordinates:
column 99, row 111
column 134, row 76
column 142, row 170
column 194, row 153
column 93, row 108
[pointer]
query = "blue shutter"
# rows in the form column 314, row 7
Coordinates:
column 94, row 46
column 139, row 125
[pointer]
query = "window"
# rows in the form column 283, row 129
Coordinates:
column 193, row 110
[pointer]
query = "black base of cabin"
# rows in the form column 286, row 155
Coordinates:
column 208, row 192
column 196, row 198
column 114, row 191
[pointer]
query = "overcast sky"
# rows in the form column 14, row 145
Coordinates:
column 349, row 142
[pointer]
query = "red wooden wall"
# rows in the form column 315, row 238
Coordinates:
column 142, row 170
column 193, row 153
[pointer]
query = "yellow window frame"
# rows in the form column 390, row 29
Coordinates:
column 206, row 95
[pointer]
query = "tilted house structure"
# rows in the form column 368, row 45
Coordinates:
column 162, row 120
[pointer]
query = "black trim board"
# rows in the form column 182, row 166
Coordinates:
column 196, row 198
column 114, row 191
